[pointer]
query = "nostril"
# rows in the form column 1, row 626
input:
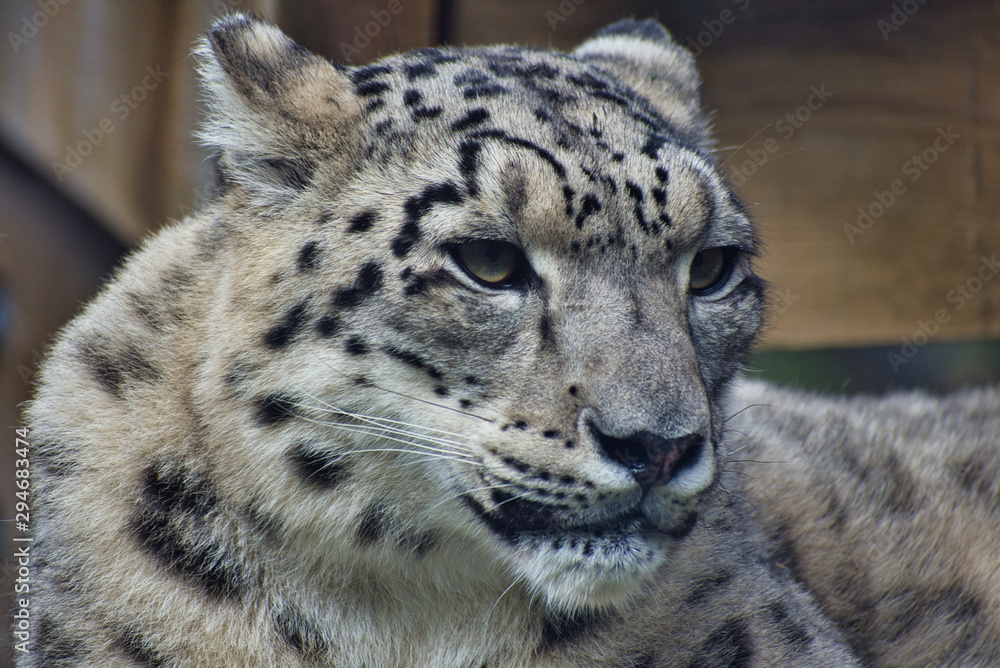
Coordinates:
column 652, row 459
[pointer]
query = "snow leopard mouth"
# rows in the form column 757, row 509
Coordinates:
column 520, row 521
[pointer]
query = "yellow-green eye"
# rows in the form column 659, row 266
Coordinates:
column 495, row 263
column 709, row 269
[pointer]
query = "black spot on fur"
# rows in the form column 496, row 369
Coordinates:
column 308, row 256
column 729, row 646
column 477, row 91
column 587, row 81
column 290, row 326
column 412, row 97
column 418, row 70
column 416, row 285
column 302, row 633
column 180, row 520
column 363, row 74
column 366, row 284
column 662, row 175
column 468, row 164
column 653, row 144
column 568, row 196
column 373, row 525
column 516, row 464
column 416, row 207
column 295, row 174
column 415, row 361
column 362, row 222
column 588, row 205
column 635, row 192
column 317, row 467
column 417, row 543
column 684, row 527
column 116, row 363
column 370, row 88
column 471, row 118
column 328, row 326
column 156, row 313
column 545, row 328
column 138, row 648
column 561, row 629
column 356, row 346
column 421, row 113
column 54, row 646
column 543, row 153
column 794, row 633
column 705, row 587
column 274, row 409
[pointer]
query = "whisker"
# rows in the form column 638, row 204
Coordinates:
column 748, row 407
column 421, row 448
column 377, row 430
column 407, row 396
column 517, row 579
column 379, row 423
column 474, row 489
column 377, row 418
column 741, row 147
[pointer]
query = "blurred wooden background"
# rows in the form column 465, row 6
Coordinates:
column 864, row 135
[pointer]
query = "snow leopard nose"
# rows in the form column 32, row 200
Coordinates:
column 652, row 459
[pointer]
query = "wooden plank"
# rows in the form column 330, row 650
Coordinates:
column 357, row 32
column 104, row 108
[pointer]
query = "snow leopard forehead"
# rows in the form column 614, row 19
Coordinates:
column 601, row 150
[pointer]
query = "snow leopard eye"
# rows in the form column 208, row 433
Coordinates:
column 710, row 269
column 495, row 264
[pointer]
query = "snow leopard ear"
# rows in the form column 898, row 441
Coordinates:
column 273, row 107
column 644, row 55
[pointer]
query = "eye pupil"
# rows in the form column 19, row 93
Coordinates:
column 709, row 269
column 494, row 263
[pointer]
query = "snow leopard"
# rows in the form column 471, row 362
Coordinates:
column 447, row 373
